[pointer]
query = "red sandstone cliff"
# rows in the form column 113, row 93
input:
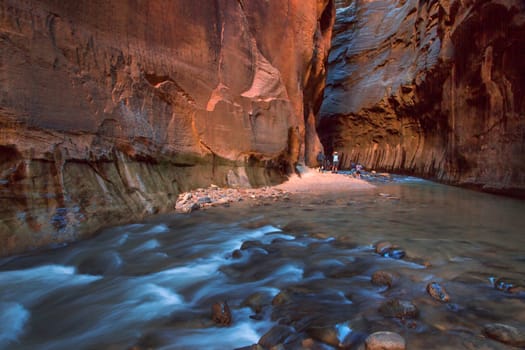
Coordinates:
column 108, row 109
column 433, row 88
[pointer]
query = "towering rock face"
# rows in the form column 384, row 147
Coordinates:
column 433, row 88
column 108, row 111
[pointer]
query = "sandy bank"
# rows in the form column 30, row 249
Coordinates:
column 307, row 182
column 312, row 181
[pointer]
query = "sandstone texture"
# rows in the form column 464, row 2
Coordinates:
column 432, row 88
column 109, row 110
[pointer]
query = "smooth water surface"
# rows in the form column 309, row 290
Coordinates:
column 153, row 283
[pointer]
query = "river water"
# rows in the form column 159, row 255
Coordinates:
column 151, row 284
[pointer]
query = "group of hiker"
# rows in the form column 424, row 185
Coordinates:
column 324, row 163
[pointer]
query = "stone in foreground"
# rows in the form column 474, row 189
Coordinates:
column 505, row 334
column 438, row 292
column 385, row 341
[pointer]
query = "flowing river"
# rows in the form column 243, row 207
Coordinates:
column 300, row 267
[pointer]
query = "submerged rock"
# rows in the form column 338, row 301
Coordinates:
column 251, row 244
column 257, row 301
column 385, row 341
column 438, row 292
column 282, row 298
column 399, row 309
column 251, row 347
column 221, row 314
column 154, row 340
column 508, row 285
column 237, row 254
column 394, row 253
column 382, row 247
column 505, row 334
column 382, row 278
column 276, row 336
column 105, row 263
column 326, row 335
column 388, row 250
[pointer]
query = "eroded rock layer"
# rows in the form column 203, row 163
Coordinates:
column 433, row 88
column 109, row 109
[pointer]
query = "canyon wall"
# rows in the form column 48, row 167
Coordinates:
column 110, row 109
column 432, row 88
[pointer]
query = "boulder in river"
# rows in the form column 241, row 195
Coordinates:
column 105, row 263
column 282, row 298
column 385, row 341
column 382, row 247
column 505, row 334
column 275, row 336
column 326, row 335
column 251, row 347
column 388, row 250
column 221, row 314
column 382, row 278
column 438, row 292
column 509, row 285
column 399, row 309
column 257, row 301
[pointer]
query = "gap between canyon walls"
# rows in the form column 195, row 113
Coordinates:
column 108, row 112
column 430, row 88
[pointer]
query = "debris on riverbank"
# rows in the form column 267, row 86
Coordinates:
column 203, row 198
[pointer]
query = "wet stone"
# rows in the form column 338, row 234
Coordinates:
column 326, row 335
column 257, row 301
column 251, row 347
column 505, row 334
column 509, row 285
column 276, row 336
column 191, row 207
column 388, row 250
column 342, row 272
column 437, row 292
column 399, row 309
column 105, row 263
column 382, row 278
column 251, row 244
column 385, row 341
column 382, row 247
column 221, row 314
column 394, row 253
column 282, row 298
column 154, row 340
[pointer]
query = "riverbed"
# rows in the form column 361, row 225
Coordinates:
column 298, row 269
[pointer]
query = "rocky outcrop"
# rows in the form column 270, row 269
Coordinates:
column 431, row 88
column 108, row 112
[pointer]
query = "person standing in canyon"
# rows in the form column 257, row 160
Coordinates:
column 335, row 162
column 320, row 161
column 358, row 169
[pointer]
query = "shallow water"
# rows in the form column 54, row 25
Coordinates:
column 153, row 283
